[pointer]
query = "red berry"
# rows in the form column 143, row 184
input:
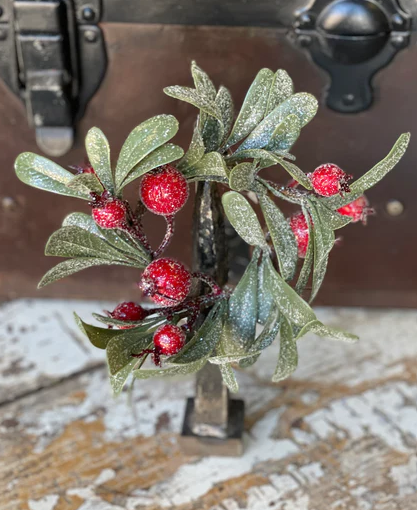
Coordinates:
column 166, row 282
column 128, row 311
column 358, row 210
column 328, row 180
column 299, row 226
column 169, row 339
column 108, row 212
column 164, row 190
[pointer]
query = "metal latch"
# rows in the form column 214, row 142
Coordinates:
column 52, row 55
column 352, row 40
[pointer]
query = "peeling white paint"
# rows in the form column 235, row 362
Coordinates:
column 405, row 477
column 46, row 503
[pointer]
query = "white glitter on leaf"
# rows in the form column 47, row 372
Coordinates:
column 98, row 152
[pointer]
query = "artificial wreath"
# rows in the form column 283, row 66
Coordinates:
column 230, row 153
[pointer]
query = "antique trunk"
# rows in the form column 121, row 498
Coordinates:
column 67, row 65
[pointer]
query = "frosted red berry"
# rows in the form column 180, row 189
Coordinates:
column 169, row 339
column 166, row 282
column 108, row 212
column 329, row 179
column 358, row 210
column 128, row 311
column 299, row 226
column 164, row 191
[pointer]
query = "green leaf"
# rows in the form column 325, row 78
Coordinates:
column 211, row 164
column 288, row 355
column 265, row 298
column 212, row 132
column 224, row 103
column 324, row 239
column 174, row 370
column 69, row 267
column 305, row 272
column 85, row 183
column 120, row 349
column 321, row 330
column 147, row 323
column 77, row 242
column 119, row 380
column 99, row 337
column 195, row 151
column 98, row 152
column 269, row 333
column 160, row 156
column 296, row 173
column 197, row 99
column 205, row 339
column 285, row 134
column 231, row 358
column 266, row 158
column 253, row 108
column 281, row 89
column 243, row 219
column 42, row 173
column 229, row 377
column 282, row 237
column 329, row 217
column 242, row 176
column 373, row 176
column 289, row 303
column 202, row 82
column 82, row 220
column 144, row 139
column 240, row 323
column 303, row 105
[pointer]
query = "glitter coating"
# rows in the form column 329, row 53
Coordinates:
column 299, row 226
column 329, row 179
column 169, row 339
column 358, row 210
column 110, row 215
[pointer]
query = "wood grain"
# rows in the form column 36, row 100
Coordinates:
column 340, row 434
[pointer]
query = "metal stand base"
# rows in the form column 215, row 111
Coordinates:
column 229, row 446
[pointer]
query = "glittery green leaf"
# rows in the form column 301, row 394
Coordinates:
column 243, row 218
column 242, row 176
column 42, row 173
column 269, row 333
column 69, row 267
column 303, row 105
column 265, row 298
column 196, row 98
column 99, row 337
column 288, row 355
column 212, row 132
column 282, row 237
column 224, row 102
column 205, row 339
column 329, row 217
column 202, row 82
column 305, row 272
column 86, row 183
column 143, row 140
column 119, row 350
column 253, row 108
column 373, row 176
column 240, row 323
column 148, row 322
column 212, row 164
column 266, row 158
column 281, row 89
column 195, row 152
column 229, row 378
column 172, row 370
column 321, row 330
column 324, row 239
column 77, row 242
column 118, row 381
column 289, row 303
column 296, row 173
column 160, row 156
column 98, row 152
column 285, row 134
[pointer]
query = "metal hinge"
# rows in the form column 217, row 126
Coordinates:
column 52, row 55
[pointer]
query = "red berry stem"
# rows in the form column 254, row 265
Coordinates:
column 135, row 229
column 168, row 236
column 216, row 290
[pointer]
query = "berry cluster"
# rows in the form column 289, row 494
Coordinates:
column 167, row 282
column 328, row 180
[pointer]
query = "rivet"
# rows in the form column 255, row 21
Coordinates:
column 394, row 207
column 8, row 203
column 398, row 41
column 348, row 99
column 304, row 20
column 88, row 14
column 397, row 20
column 90, row 36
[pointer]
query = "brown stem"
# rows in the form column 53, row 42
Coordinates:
column 168, row 236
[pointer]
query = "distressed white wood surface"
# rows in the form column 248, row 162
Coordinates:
column 340, row 434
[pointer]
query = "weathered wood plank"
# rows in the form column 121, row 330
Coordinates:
column 341, row 434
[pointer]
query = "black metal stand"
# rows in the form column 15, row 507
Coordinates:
column 213, row 423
